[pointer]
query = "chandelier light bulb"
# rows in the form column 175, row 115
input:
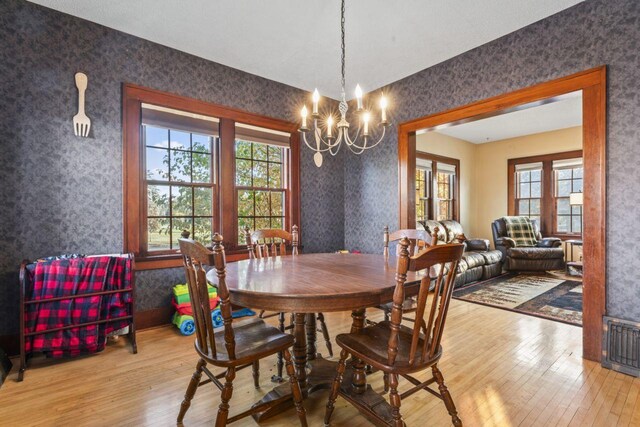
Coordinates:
column 303, row 114
column 359, row 97
column 315, row 98
column 365, row 118
column 329, row 126
column 383, row 109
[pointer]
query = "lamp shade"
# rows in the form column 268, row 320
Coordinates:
column 575, row 199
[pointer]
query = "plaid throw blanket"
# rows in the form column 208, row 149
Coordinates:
column 520, row 229
column 64, row 277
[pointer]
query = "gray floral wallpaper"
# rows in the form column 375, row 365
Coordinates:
column 61, row 193
column 587, row 35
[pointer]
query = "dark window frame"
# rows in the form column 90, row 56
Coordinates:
column 433, row 196
column 548, row 202
column 134, row 193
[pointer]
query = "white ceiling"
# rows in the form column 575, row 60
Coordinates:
column 564, row 112
column 297, row 42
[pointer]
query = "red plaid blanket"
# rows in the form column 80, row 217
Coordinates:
column 51, row 279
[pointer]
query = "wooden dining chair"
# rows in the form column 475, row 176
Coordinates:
column 418, row 240
column 272, row 242
column 398, row 350
column 231, row 347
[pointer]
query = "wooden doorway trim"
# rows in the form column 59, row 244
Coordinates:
column 594, row 111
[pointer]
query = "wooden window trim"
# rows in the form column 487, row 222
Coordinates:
column 547, row 207
column 435, row 158
column 134, row 207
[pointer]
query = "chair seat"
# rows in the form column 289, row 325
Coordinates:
column 371, row 345
column 254, row 339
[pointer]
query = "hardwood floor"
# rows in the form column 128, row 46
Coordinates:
column 503, row 369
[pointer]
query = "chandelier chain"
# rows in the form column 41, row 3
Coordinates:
column 343, row 48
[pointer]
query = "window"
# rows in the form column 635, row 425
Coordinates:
column 567, row 181
column 437, row 187
column 529, row 190
column 202, row 168
column 541, row 187
column 260, row 181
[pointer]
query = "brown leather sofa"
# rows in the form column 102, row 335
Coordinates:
column 478, row 262
column 546, row 255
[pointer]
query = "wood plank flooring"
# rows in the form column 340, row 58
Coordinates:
column 503, row 369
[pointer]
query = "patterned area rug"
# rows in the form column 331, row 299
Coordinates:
column 537, row 295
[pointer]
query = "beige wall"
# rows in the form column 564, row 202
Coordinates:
column 444, row 145
column 483, row 170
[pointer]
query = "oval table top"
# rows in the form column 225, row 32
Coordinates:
column 310, row 283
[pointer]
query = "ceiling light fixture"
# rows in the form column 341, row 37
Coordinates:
column 325, row 141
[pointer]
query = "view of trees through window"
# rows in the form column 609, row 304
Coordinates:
column 179, row 178
column 260, row 186
column 423, row 191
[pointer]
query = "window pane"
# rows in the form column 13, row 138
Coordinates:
column 564, row 173
column 525, row 176
column 276, row 223
column 262, row 203
column 158, row 234
column 243, row 173
column 156, row 137
column 577, row 173
column 201, row 166
column 576, row 210
column 536, row 189
column 524, row 190
column 157, row 160
column 181, row 203
column 564, row 223
column 158, row 200
column 563, row 206
column 201, row 143
column 275, row 175
column 523, row 207
column 180, row 166
column 245, row 203
column 243, row 149
column 260, row 151
column 242, row 223
column 202, row 230
column 564, row 188
column 263, row 223
column 536, row 175
column 260, row 174
column 277, row 202
column 577, row 186
column 275, row 154
column 576, row 224
column 178, row 226
column 180, row 140
column 443, row 210
column 535, row 206
column 202, row 198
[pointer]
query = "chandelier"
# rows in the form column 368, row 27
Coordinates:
column 325, row 139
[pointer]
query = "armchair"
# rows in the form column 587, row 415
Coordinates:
column 546, row 255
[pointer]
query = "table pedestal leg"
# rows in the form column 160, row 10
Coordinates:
column 321, row 372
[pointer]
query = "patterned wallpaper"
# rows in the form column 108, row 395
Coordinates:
column 587, row 35
column 62, row 193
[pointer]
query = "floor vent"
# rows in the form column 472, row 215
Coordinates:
column 621, row 346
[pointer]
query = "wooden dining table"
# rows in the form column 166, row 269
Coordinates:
column 305, row 285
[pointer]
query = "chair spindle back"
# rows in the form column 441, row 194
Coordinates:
column 271, row 242
column 195, row 256
column 418, row 239
column 445, row 258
